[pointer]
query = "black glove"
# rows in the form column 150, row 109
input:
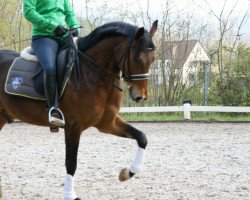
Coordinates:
column 60, row 31
column 74, row 32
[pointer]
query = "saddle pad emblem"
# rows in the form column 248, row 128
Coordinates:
column 16, row 82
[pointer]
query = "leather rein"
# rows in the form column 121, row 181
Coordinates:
column 127, row 76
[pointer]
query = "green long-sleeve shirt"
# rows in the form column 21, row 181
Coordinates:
column 46, row 15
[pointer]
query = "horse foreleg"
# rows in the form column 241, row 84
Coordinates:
column 72, row 138
column 123, row 129
column 137, row 164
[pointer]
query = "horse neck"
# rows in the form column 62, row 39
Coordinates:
column 103, row 53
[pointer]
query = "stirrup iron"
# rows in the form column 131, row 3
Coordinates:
column 54, row 120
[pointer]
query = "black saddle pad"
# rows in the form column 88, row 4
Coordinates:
column 25, row 78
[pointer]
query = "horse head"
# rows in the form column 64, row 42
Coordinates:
column 128, row 49
column 134, row 59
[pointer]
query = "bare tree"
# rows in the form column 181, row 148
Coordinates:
column 12, row 26
column 227, row 21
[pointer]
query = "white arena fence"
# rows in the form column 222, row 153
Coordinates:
column 186, row 109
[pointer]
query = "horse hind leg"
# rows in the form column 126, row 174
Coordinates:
column 1, row 194
column 4, row 117
column 2, row 122
column 123, row 129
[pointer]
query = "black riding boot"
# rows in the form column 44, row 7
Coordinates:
column 55, row 115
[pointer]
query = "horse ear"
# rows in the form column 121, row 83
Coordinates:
column 139, row 33
column 153, row 28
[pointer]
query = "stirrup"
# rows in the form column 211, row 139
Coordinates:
column 58, row 121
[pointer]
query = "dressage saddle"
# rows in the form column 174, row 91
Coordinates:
column 25, row 76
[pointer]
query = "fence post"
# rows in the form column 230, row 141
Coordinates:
column 186, row 109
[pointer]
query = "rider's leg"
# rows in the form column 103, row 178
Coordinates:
column 51, row 92
column 46, row 51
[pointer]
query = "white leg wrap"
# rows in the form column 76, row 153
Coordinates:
column 138, row 161
column 69, row 193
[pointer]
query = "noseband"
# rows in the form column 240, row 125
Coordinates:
column 126, row 75
column 135, row 77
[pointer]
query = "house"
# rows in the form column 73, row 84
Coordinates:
column 183, row 60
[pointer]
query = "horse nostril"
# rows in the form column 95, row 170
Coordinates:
column 138, row 99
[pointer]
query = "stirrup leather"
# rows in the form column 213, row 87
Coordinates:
column 54, row 120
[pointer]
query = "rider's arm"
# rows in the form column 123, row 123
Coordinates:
column 70, row 19
column 30, row 13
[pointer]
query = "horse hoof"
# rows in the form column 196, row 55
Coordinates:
column 125, row 174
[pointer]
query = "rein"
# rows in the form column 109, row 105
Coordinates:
column 127, row 77
column 102, row 71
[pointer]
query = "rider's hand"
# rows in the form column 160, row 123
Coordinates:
column 60, row 31
column 74, row 32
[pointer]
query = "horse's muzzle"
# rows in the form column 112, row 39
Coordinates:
column 137, row 96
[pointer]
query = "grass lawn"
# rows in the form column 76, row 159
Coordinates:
column 197, row 116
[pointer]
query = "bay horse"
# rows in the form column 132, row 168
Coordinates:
column 117, row 50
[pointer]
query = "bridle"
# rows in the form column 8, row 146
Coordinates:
column 127, row 76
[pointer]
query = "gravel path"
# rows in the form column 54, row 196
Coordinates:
column 195, row 161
